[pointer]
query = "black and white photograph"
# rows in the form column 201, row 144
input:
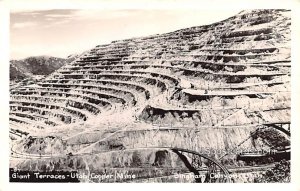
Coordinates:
column 208, row 103
column 132, row 95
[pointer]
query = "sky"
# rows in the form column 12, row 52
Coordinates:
column 61, row 32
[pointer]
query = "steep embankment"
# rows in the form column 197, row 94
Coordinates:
column 207, row 88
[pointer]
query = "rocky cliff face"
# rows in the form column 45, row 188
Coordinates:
column 208, row 87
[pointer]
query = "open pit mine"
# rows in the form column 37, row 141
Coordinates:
column 202, row 104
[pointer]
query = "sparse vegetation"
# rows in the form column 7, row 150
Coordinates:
column 279, row 174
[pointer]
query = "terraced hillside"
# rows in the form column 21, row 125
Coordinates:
column 201, row 100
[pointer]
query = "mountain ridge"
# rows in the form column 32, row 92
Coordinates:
column 37, row 65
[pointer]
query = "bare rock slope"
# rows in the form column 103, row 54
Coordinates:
column 217, row 89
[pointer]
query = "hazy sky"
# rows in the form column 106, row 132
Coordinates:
column 62, row 32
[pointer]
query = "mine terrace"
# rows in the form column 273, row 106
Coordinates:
column 144, row 106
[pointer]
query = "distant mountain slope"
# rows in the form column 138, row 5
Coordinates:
column 38, row 65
